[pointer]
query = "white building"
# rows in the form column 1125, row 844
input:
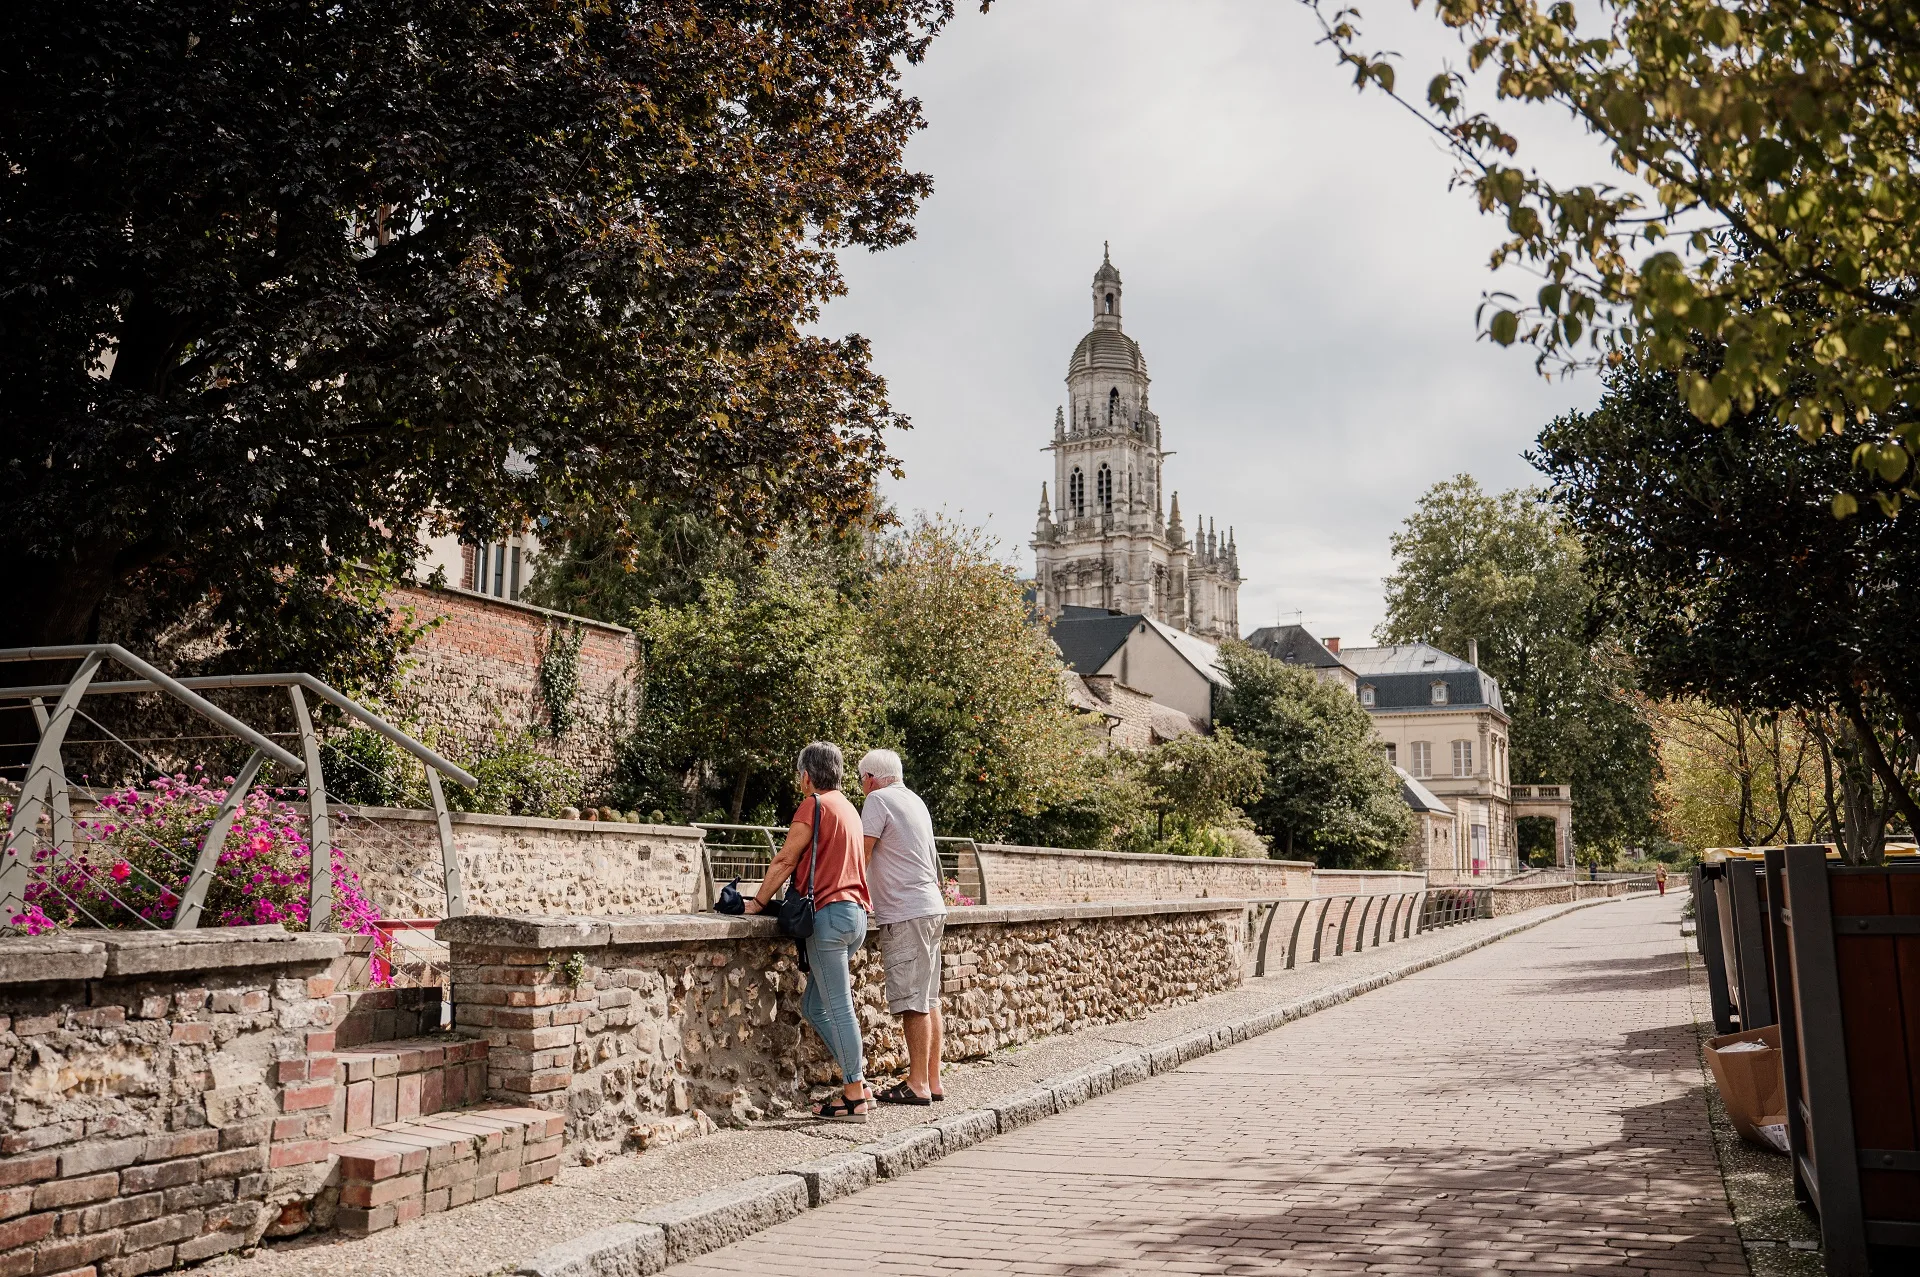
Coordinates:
column 1107, row 540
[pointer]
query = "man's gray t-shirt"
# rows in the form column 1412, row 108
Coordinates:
column 903, row 876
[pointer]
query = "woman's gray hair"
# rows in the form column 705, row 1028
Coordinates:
column 822, row 764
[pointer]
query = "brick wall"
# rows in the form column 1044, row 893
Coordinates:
column 475, row 675
column 1523, row 896
column 663, row 1019
column 1365, row 882
column 164, row 1097
column 1057, row 875
column 515, row 864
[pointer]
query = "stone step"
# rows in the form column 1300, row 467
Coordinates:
column 403, row 1170
column 384, row 1082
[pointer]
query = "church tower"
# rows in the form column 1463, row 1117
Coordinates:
column 1106, row 542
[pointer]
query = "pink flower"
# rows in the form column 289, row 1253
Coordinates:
column 121, row 872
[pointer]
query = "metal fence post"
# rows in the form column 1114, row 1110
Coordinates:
column 449, row 858
column 187, row 917
column 41, row 769
column 319, row 821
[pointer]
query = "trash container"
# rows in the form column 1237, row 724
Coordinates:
column 1747, row 1068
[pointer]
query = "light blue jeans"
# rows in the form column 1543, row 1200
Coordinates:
column 838, row 930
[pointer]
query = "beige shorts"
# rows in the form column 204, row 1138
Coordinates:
column 910, row 951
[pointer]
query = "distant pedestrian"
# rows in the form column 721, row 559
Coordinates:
column 838, row 884
column 1660, row 878
column 903, row 868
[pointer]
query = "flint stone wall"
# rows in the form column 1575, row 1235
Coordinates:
column 164, row 1097
column 1060, row 875
column 630, row 1025
column 523, row 864
column 1518, row 899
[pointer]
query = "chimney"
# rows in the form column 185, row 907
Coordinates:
column 1473, row 653
column 1332, row 644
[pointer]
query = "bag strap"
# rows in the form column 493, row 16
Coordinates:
column 813, row 845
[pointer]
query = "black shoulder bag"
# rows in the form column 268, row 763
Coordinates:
column 796, row 910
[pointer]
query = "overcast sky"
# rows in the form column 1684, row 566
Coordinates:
column 1300, row 280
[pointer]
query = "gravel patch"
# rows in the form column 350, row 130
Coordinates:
column 492, row 1236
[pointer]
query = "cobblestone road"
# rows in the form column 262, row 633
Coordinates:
column 1529, row 1108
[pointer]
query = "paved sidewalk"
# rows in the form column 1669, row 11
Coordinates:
column 491, row 1236
column 1531, row 1107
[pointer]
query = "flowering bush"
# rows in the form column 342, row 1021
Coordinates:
column 134, row 857
column 951, row 890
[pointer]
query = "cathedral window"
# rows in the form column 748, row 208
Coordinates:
column 1113, row 406
column 1109, row 303
column 1077, row 493
column 1104, row 490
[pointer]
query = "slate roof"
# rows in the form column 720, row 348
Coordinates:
column 1088, row 637
column 1418, row 796
column 1402, row 678
column 1202, row 655
column 1293, row 645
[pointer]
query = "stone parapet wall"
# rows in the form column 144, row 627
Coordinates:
column 522, row 864
column 1365, row 882
column 475, row 676
column 634, row 1026
column 1523, row 896
column 1058, row 875
column 164, row 1096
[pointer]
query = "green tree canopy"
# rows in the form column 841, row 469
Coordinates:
column 1507, row 572
column 285, row 283
column 737, row 682
column 1715, row 554
column 974, row 700
column 1780, row 225
column 1329, row 791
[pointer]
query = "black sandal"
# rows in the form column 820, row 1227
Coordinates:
column 938, row 1097
column 842, row 1109
column 901, row 1093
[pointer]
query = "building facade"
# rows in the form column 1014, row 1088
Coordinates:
column 1441, row 720
column 1109, row 537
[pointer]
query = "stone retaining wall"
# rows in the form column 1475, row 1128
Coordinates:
column 1059, row 875
column 164, row 1096
column 630, row 1025
column 522, row 864
column 1365, row 882
column 1524, row 896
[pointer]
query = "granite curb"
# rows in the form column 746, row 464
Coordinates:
column 693, row 1226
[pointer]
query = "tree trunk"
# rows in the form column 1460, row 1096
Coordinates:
column 739, row 793
column 53, row 603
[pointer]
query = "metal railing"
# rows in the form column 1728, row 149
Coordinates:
column 42, row 846
column 743, row 852
column 1382, row 919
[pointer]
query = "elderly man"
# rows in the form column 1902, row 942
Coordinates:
column 903, row 880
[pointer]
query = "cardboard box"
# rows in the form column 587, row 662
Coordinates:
column 1752, row 1083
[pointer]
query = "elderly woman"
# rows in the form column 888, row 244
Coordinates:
column 838, row 885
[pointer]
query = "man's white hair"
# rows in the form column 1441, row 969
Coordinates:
column 882, row 764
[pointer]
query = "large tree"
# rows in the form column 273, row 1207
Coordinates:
column 1506, row 572
column 974, row 700
column 1761, row 153
column 1329, row 791
column 1714, row 550
column 285, row 283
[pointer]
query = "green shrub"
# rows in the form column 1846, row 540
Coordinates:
column 516, row 779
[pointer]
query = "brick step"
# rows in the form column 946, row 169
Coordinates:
column 403, row 1170
column 385, row 1082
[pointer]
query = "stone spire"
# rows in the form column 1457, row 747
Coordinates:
column 1059, row 425
column 1176, row 534
column 1233, row 556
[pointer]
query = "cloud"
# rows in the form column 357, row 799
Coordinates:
column 1300, row 278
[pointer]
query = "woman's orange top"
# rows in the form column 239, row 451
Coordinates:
column 840, row 863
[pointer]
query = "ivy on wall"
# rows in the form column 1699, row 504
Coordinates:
column 559, row 676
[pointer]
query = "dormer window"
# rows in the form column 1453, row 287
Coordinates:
column 1439, row 693
column 1109, row 303
column 1366, row 696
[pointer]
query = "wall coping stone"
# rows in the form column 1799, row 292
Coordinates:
column 1154, row 857
column 92, row 954
column 1539, row 886
column 527, row 822
column 516, row 605
column 537, row 932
